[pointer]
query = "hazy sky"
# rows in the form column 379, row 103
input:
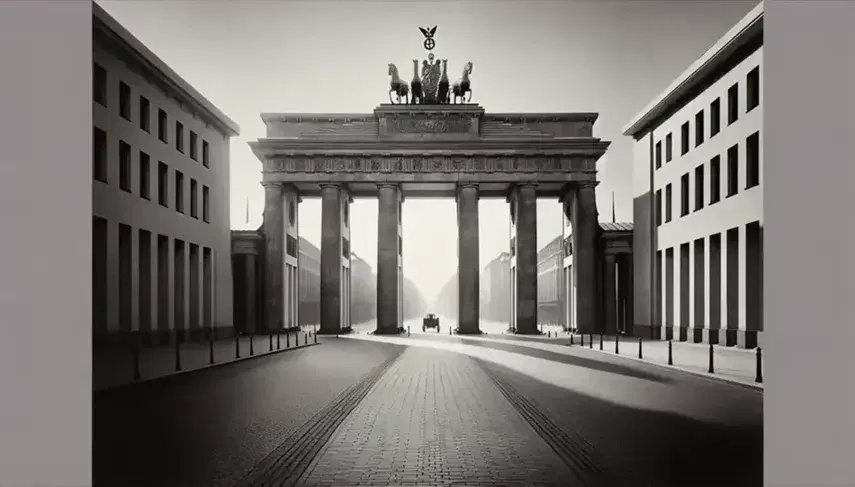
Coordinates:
column 603, row 56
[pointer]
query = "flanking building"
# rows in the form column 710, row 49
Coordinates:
column 698, row 189
column 161, row 244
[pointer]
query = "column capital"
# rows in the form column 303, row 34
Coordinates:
column 385, row 185
column 330, row 185
column 271, row 185
column 467, row 184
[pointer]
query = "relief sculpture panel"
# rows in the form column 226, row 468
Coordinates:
column 422, row 124
column 440, row 164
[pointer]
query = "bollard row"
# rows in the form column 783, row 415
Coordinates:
column 758, row 378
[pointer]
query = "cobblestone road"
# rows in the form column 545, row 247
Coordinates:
column 435, row 418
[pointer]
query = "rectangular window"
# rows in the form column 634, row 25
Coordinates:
column 163, row 184
column 206, row 212
column 732, row 170
column 162, row 129
column 99, row 84
column 205, row 161
column 733, row 104
column 658, row 207
column 752, row 160
column 699, row 128
column 145, row 176
column 145, row 114
column 684, row 195
column 194, row 146
column 194, row 198
column 99, row 154
column 124, row 101
column 715, row 180
column 179, row 191
column 658, row 154
column 668, row 203
column 668, row 147
column 699, row 187
column 684, row 139
column 715, row 117
column 124, row 166
column 752, row 89
column 179, row 137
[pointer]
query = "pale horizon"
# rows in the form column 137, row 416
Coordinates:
column 254, row 57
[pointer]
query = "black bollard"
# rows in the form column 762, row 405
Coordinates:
column 408, row 330
column 305, row 339
column 590, row 340
column 571, row 339
column 601, row 341
column 670, row 354
column 211, row 349
column 315, row 337
column 136, row 352
column 617, row 344
column 639, row 348
column 177, row 355
column 279, row 342
column 251, row 345
column 711, row 369
column 270, row 340
column 237, row 346
column 758, row 378
column 582, row 338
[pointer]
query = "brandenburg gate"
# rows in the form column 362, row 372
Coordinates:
column 430, row 141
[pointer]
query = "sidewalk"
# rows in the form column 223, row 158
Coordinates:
column 115, row 366
column 730, row 364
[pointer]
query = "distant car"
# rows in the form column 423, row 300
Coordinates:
column 430, row 321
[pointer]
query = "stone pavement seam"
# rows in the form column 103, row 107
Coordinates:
column 576, row 452
column 204, row 367
column 287, row 464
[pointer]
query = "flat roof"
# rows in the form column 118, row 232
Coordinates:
column 176, row 82
column 739, row 35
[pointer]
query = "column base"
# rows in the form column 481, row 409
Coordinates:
column 528, row 332
column 389, row 331
column 468, row 332
column 697, row 335
column 684, row 334
column 668, row 331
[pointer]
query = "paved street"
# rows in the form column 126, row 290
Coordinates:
column 430, row 409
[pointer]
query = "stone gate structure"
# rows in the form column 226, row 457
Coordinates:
column 446, row 150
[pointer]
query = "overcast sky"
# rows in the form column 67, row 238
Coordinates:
column 603, row 56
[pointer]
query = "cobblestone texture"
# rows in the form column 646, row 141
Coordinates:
column 436, row 418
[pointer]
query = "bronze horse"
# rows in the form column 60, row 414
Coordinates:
column 442, row 94
column 400, row 88
column 463, row 86
column 416, row 84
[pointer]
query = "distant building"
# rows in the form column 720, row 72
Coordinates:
column 549, row 264
column 160, row 229
column 496, row 289
column 698, row 212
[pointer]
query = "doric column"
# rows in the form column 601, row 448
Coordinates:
column 610, row 295
column 468, row 261
column 274, row 251
column 583, row 217
column 249, row 293
column 331, row 257
column 524, row 200
column 388, row 259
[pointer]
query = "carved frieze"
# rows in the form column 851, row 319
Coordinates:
column 428, row 164
column 424, row 123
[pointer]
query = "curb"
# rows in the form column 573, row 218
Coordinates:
column 705, row 375
column 181, row 373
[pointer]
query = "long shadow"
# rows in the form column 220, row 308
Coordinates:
column 657, row 449
column 209, row 427
column 599, row 365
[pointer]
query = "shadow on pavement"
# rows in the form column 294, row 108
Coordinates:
column 593, row 364
column 655, row 448
column 209, row 427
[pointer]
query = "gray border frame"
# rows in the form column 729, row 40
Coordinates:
column 45, row 199
column 46, row 253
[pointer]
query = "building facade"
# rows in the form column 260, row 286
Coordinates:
column 496, row 289
column 549, row 265
column 161, row 244
column 698, row 213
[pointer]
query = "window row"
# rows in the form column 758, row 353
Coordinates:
column 714, row 168
column 160, row 261
column 752, row 101
column 145, row 169
column 100, row 85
